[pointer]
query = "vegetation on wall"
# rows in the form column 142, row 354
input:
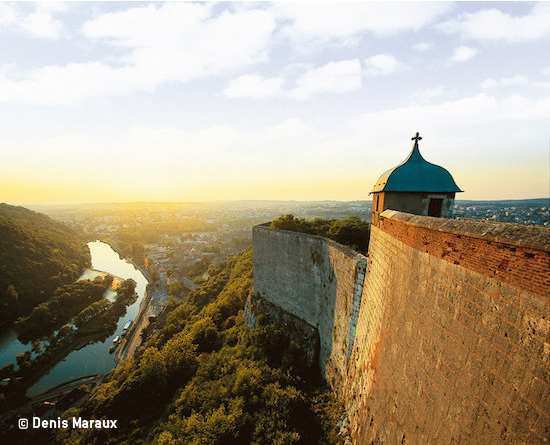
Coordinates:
column 351, row 231
column 37, row 255
column 206, row 378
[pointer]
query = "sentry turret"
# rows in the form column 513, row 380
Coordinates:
column 415, row 186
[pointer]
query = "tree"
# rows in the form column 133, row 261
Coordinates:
column 36, row 347
column 24, row 360
column 176, row 288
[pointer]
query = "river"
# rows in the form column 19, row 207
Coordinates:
column 93, row 358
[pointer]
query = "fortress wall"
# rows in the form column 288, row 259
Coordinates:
column 453, row 336
column 318, row 281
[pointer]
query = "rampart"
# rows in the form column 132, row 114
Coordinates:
column 317, row 280
column 452, row 337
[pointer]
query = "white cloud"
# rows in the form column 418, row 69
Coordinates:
column 452, row 115
column 182, row 41
column 41, row 24
column 339, row 77
column 254, row 86
column 7, row 14
column 426, row 95
column 504, row 82
column 463, row 53
column 170, row 42
column 495, row 25
column 333, row 77
column 345, row 20
column 68, row 84
column 423, row 46
column 546, row 70
column 383, row 64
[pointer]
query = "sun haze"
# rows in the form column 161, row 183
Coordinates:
column 110, row 102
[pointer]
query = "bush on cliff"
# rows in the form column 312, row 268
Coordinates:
column 351, row 231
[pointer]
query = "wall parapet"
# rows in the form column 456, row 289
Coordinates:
column 513, row 254
column 340, row 247
column 530, row 237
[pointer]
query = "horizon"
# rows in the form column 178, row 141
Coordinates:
column 22, row 204
column 113, row 102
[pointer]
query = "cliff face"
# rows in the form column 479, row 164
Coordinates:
column 446, row 336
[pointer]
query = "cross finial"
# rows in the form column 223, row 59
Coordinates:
column 416, row 138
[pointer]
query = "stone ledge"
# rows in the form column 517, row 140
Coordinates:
column 537, row 238
column 344, row 249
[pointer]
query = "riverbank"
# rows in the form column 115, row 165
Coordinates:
column 23, row 382
column 81, row 355
column 137, row 325
column 117, row 249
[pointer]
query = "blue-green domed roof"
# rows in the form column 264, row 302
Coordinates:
column 415, row 174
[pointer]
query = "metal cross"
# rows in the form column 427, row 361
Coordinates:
column 417, row 138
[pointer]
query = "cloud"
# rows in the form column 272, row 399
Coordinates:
column 343, row 21
column 172, row 42
column 383, row 64
column 452, row 115
column 68, row 84
column 339, row 77
column 254, row 87
column 183, row 41
column 333, row 77
column 495, row 25
column 7, row 14
column 423, row 46
column 546, row 70
column 463, row 53
column 42, row 24
column 426, row 95
column 504, row 82
column 39, row 23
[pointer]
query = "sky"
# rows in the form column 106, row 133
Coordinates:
column 138, row 101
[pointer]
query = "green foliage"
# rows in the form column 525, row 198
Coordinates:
column 206, row 379
column 95, row 322
column 37, row 255
column 176, row 288
column 66, row 301
column 352, row 231
column 102, row 316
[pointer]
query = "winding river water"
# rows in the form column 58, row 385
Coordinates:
column 93, row 358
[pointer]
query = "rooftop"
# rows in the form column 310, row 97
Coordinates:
column 415, row 174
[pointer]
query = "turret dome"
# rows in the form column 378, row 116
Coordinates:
column 415, row 174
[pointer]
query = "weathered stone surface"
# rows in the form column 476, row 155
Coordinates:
column 317, row 280
column 295, row 327
column 441, row 335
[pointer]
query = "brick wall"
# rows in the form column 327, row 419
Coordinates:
column 453, row 336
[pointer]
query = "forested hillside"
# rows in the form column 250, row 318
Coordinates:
column 37, row 255
column 206, row 379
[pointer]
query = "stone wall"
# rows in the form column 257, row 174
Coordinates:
column 441, row 335
column 317, row 280
column 453, row 338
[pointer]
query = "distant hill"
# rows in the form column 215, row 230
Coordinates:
column 514, row 202
column 37, row 254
